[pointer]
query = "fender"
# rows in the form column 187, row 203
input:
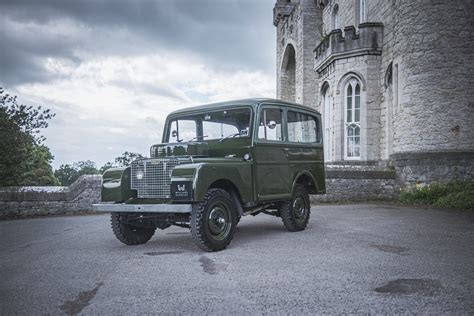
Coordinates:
column 306, row 173
column 116, row 185
column 204, row 174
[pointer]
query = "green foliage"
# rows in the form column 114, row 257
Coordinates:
column 455, row 194
column 126, row 159
column 67, row 173
column 122, row 161
column 20, row 143
column 39, row 168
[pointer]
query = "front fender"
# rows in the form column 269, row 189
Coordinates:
column 116, row 185
column 203, row 175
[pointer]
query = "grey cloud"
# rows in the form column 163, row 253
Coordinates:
column 229, row 34
column 159, row 90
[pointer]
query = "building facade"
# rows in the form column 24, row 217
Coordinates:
column 394, row 81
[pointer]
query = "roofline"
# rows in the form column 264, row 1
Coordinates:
column 255, row 102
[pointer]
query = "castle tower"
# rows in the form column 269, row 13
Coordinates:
column 298, row 24
column 393, row 80
column 433, row 69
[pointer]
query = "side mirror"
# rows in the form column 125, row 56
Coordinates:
column 271, row 124
column 174, row 133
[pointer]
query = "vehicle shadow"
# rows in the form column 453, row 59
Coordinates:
column 180, row 240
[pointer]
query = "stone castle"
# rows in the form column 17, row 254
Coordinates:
column 393, row 79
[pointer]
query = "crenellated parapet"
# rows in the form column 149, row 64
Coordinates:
column 281, row 10
column 336, row 45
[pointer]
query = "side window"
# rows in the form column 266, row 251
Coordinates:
column 270, row 125
column 302, row 128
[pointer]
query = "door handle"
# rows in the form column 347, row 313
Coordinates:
column 285, row 150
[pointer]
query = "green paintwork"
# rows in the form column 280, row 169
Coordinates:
column 116, row 185
column 194, row 149
column 270, row 174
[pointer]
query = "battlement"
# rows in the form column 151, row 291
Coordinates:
column 282, row 10
column 368, row 41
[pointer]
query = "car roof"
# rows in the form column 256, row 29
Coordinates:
column 248, row 102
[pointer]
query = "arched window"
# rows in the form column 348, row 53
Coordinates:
column 352, row 119
column 288, row 75
column 335, row 17
column 361, row 8
column 327, row 113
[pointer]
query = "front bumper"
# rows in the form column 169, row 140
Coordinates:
column 143, row 208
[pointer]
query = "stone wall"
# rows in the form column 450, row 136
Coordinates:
column 31, row 201
column 343, row 183
column 358, row 182
column 415, row 168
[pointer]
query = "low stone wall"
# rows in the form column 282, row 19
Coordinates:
column 358, row 183
column 30, row 201
column 343, row 183
column 425, row 167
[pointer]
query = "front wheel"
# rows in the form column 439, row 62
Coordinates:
column 129, row 233
column 295, row 212
column 213, row 221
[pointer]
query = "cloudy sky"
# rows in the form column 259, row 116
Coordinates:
column 112, row 70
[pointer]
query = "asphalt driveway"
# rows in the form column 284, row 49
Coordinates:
column 351, row 259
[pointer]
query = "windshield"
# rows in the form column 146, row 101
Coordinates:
column 213, row 125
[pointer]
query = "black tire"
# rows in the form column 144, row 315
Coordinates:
column 130, row 234
column 295, row 212
column 213, row 221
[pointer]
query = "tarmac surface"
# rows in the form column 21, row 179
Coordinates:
column 359, row 258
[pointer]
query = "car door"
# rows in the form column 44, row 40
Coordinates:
column 270, row 161
column 305, row 148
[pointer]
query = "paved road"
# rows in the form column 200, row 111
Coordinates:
column 352, row 259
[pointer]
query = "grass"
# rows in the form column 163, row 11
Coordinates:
column 454, row 195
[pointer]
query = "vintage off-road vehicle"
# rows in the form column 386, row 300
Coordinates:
column 216, row 163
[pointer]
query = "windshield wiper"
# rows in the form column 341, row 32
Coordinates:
column 229, row 136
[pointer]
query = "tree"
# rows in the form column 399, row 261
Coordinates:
column 39, row 168
column 126, row 159
column 122, row 161
column 86, row 167
column 20, row 126
column 67, row 174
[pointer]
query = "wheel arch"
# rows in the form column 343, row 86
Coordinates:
column 306, row 179
column 232, row 189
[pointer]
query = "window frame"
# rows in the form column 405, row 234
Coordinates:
column 361, row 11
column 173, row 117
column 335, row 17
column 283, row 124
column 318, row 126
column 352, row 82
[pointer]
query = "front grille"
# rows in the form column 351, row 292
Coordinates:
column 156, row 179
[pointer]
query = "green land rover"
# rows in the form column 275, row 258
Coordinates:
column 216, row 163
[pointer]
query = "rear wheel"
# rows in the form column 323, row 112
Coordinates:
column 213, row 221
column 128, row 232
column 295, row 212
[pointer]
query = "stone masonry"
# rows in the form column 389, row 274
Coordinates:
column 31, row 201
column 412, row 65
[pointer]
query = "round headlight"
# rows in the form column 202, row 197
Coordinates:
column 247, row 157
column 140, row 175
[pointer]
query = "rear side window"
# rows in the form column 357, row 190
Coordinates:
column 270, row 125
column 302, row 128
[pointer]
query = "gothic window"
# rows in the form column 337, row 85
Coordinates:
column 335, row 17
column 362, row 11
column 327, row 113
column 352, row 119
